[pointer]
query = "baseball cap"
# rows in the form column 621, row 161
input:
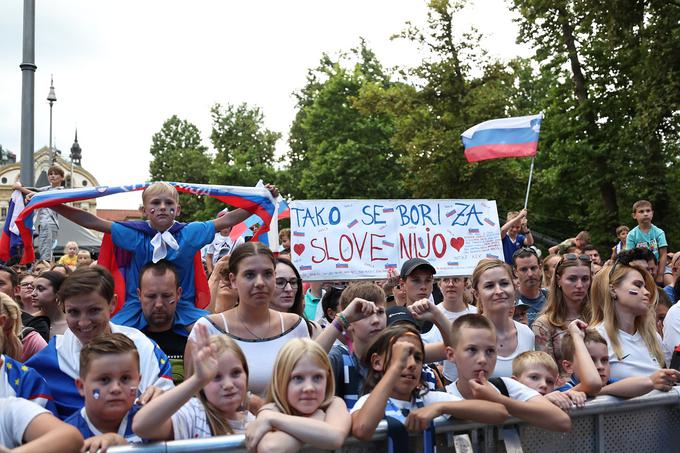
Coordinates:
column 397, row 314
column 414, row 263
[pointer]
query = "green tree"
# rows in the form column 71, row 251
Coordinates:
column 611, row 112
column 456, row 86
column 244, row 148
column 338, row 151
column 178, row 155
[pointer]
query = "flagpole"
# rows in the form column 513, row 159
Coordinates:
column 531, row 173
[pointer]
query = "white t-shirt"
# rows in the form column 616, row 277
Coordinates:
column 516, row 390
column 525, row 342
column 636, row 359
column 435, row 336
column 671, row 331
column 15, row 416
column 190, row 421
column 393, row 405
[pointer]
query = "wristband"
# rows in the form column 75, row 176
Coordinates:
column 343, row 320
column 338, row 325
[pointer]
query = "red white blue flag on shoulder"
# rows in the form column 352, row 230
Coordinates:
column 500, row 138
column 10, row 241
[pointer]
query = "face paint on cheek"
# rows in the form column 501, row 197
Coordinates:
column 152, row 211
column 95, row 394
column 172, row 211
column 133, row 391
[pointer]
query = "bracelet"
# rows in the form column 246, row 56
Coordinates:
column 345, row 322
column 338, row 325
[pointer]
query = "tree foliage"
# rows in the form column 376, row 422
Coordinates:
column 611, row 113
column 337, row 150
column 178, row 155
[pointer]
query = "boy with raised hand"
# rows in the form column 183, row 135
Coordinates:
column 160, row 237
column 88, row 298
column 473, row 351
column 109, row 378
column 586, row 357
column 647, row 235
column 515, row 234
column 362, row 318
column 47, row 221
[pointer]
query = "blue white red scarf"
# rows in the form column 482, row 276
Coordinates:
column 256, row 200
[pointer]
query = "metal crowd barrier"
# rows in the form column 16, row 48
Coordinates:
column 650, row 423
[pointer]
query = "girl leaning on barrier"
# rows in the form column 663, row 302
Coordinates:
column 623, row 298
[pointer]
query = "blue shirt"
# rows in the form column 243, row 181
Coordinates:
column 510, row 246
column 573, row 382
column 82, row 423
column 190, row 239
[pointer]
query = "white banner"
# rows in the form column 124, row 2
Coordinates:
column 363, row 239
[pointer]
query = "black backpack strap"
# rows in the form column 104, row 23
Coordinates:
column 500, row 385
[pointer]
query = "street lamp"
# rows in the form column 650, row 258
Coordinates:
column 51, row 98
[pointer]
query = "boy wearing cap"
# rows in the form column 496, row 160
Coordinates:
column 417, row 278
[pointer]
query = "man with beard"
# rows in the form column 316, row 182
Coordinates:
column 158, row 293
column 527, row 269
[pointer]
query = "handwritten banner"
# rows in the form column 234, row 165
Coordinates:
column 363, row 239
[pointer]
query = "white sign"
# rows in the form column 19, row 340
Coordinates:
column 363, row 239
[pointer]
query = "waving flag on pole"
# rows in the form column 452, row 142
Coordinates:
column 500, row 138
column 255, row 200
column 10, row 241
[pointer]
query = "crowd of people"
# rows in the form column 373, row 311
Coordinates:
column 290, row 363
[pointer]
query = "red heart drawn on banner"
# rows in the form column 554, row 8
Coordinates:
column 457, row 243
column 299, row 248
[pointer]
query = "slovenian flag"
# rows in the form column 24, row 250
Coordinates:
column 499, row 138
column 272, row 238
column 10, row 241
column 256, row 200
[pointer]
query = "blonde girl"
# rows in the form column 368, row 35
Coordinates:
column 10, row 328
column 623, row 298
column 302, row 408
column 395, row 386
column 220, row 379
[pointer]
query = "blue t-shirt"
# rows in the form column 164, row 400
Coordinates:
column 670, row 292
column 573, row 382
column 653, row 240
column 81, row 422
column 510, row 246
column 535, row 305
column 190, row 239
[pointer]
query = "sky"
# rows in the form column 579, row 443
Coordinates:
column 121, row 68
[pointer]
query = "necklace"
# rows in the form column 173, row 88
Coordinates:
column 269, row 319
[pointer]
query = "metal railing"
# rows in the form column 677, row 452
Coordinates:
column 649, row 423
